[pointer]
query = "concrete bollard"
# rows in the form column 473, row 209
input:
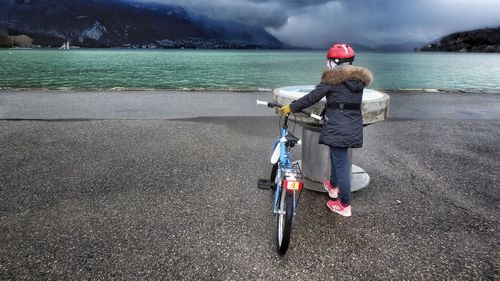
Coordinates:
column 315, row 158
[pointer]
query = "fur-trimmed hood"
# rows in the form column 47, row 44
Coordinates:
column 348, row 72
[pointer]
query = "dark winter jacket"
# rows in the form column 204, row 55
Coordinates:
column 344, row 84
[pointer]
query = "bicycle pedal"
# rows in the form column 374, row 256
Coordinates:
column 264, row 184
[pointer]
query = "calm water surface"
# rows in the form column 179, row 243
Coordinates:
column 235, row 69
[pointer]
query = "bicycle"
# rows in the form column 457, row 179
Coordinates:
column 286, row 180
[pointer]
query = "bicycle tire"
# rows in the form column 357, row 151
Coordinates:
column 284, row 222
column 274, row 172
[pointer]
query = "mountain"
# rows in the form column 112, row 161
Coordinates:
column 354, row 45
column 399, row 47
column 371, row 46
column 114, row 23
column 485, row 40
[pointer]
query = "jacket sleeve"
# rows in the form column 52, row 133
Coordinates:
column 313, row 97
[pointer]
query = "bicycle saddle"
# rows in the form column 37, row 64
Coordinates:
column 291, row 138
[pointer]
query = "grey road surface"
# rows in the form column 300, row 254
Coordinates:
column 177, row 199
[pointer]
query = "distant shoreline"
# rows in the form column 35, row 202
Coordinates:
column 416, row 51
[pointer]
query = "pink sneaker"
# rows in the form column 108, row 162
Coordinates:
column 333, row 191
column 336, row 207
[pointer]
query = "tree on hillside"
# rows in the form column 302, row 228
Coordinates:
column 480, row 40
column 3, row 32
column 4, row 38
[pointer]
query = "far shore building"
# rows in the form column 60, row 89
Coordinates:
column 22, row 41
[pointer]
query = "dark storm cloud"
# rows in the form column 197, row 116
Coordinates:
column 268, row 13
column 313, row 22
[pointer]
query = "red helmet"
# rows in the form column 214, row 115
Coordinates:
column 341, row 53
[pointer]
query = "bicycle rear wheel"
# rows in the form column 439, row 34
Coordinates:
column 284, row 221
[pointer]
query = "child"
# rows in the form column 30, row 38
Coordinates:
column 343, row 85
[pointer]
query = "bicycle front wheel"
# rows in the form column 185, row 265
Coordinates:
column 284, row 221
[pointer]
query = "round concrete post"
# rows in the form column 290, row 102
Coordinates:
column 315, row 161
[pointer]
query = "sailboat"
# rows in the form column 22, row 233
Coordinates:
column 65, row 46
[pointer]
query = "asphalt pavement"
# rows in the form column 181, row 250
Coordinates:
column 132, row 197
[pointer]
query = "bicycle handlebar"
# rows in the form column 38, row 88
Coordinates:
column 272, row 104
column 260, row 102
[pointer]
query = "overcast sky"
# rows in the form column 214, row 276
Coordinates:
column 313, row 22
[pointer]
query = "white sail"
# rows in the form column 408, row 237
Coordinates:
column 65, row 46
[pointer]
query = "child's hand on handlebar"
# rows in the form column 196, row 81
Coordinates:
column 285, row 110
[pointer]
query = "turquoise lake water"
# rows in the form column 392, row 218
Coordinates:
column 236, row 69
